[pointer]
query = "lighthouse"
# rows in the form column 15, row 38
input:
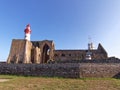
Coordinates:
column 27, row 32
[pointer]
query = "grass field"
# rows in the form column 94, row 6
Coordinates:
column 45, row 83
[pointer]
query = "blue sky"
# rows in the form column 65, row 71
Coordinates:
column 68, row 23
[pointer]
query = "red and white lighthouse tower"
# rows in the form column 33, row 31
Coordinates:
column 27, row 32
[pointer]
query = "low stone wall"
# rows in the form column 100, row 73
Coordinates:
column 88, row 61
column 100, row 70
column 49, row 70
column 67, row 70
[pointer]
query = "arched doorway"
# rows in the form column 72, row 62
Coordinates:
column 45, row 53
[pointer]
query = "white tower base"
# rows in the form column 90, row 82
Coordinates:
column 27, row 37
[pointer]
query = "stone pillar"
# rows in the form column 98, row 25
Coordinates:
column 27, row 52
column 37, row 55
column 51, row 54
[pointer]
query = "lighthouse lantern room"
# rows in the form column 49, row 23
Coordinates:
column 27, row 32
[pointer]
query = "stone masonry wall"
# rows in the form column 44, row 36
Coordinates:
column 20, row 51
column 27, row 52
column 63, row 55
column 17, row 51
column 69, row 54
column 68, row 70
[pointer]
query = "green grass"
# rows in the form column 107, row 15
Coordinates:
column 46, row 83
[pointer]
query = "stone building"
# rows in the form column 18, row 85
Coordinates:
column 95, row 54
column 26, row 51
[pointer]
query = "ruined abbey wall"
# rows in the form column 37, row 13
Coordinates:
column 79, row 54
column 20, row 51
column 27, row 52
column 69, row 54
column 24, row 51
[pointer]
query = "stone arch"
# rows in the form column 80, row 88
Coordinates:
column 47, row 48
column 45, row 53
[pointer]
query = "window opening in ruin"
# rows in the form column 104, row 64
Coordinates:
column 48, row 52
column 63, row 55
column 45, row 53
column 69, row 54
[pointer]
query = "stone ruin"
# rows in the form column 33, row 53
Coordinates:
column 32, row 58
column 24, row 51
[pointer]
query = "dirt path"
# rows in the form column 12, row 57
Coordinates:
column 4, row 80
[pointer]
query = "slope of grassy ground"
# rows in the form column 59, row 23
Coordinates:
column 46, row 83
